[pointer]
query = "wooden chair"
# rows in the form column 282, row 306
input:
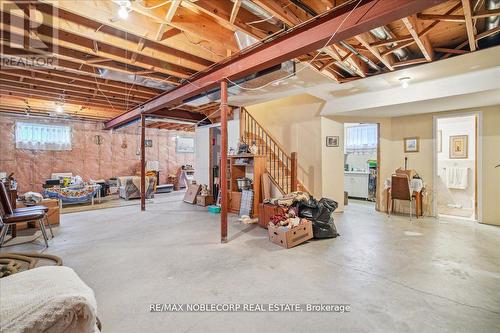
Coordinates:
column 400, row 190
column 4, row 198
column 10, row 217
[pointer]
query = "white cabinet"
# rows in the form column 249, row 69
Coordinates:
column 356, row 184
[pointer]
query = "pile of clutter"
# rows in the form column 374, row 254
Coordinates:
column 301, row 212
column 287, row 219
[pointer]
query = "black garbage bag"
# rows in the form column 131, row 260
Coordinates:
column 308, row 209
column 324, row 229
column 320, row 214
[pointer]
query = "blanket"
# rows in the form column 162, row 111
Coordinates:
column 46, row 299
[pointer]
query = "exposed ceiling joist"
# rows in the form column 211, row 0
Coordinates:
column 469, row 24
column 309, row 37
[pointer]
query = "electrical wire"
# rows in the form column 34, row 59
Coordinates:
column 99, row 88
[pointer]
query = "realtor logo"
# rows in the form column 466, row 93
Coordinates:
column 28, row 34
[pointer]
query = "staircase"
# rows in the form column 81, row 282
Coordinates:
column 281, row 167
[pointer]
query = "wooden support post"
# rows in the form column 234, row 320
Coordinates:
column 143, row 163
column 223, row 169
column 294, row 167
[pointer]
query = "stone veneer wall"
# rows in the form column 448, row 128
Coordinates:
column 88, row 159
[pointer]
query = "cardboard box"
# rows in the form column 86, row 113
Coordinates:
column 291, row 237
column 204, row 200
column 53, row 213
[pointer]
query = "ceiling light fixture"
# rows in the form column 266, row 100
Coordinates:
column 59, row 108
column 123, row 12
column 124, row 9
column 405, row 81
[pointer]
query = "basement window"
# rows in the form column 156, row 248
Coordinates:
column 42, row 136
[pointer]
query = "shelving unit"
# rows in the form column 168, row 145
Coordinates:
column 254, row 170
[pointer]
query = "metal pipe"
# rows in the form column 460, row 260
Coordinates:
column 382, row 33
column 360, row 56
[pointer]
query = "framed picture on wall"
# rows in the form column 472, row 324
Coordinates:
column 458, row 146
column 412, row 145
column 185, row 144
column 440, row 141
column 332, row 141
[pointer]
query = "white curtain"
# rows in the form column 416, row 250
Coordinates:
column 361, row 137
column 42, row 136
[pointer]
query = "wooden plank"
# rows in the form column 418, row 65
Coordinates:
column 171, row 11
column 469, row 24
column 444, row 18
column 234, row 11
column 414, row 28
column 486, row 13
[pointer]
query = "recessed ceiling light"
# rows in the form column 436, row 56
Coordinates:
column 405, row 81
column 59, row 109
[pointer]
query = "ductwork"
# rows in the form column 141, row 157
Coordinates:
column 134, row 79
column 491, row 23
column 258, row 79
column 382, row 33
column 244, row 40
column 257, row 11
column 360, row 56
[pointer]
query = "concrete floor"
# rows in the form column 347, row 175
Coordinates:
column 424, row 276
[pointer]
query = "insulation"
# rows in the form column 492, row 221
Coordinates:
column 115, row 155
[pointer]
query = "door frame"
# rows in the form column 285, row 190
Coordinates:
column 478, row 160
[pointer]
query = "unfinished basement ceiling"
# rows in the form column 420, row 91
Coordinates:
column 106, row 64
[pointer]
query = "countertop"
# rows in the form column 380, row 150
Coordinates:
column 356, row 173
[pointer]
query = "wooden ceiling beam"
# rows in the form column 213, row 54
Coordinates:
column 171, row 11
column 234, row 11
column 486, row 13
column 24, row 92
column 78, row 57
column 72, row 71
column 410, row 62
column 220, row 11
column 214, row 37
column 466, row 5
column 414, row 28
column 43, row 105
column 27, row 92
column 443, row 18
column 67, row 90
column 67, row 41
column 76, row 82
column 139, row 26
column 280, row 12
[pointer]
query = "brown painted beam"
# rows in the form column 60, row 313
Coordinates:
column 143, row 163
column 347, row 21
column 223, row 163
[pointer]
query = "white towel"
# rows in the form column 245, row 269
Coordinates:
column 457, row 178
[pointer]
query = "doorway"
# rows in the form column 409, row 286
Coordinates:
column 361, row 162
column 456, row 166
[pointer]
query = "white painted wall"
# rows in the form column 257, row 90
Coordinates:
column 202, row 153
column 449, row 127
